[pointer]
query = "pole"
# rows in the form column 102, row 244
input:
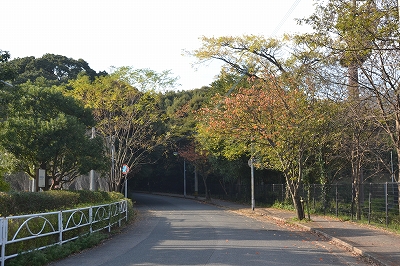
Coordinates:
column 33, row 182
column 184, row 177
column 398, row 8
column 126, row 185
column 184, row 173
column 92, row 185
column 252, row 184
column 391, row 162
column 196, row 182
column 337, row 201
column 352, row 71
column 112, row 160
column 387, row 204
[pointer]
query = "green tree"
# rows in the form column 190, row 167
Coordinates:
column 278, row 119
column 56, row 69
column 7, row 72
column 354, row 47
column 126, row 118
column 45, row 129
column 146, row 79
column 5, row 166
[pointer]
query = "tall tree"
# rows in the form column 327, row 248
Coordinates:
column 273, row 117
column 7, row 75
column 7, row 72
column 358, row 41
column 56, row 69
column 126, row 119
column 45, row 129
column 279, row 127
column 5, row 166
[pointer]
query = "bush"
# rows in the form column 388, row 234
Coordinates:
column 30, row 202
column 86, row 196
column 19, row 203
column 5, row 204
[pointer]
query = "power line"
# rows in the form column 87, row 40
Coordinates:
column 288, row 13
column 6, row 83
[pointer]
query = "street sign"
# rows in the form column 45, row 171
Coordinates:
column 42, row 178
column 125, row 169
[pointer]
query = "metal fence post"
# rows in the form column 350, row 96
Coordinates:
column 387, row 204
column 109, row 217
column 314, row 193
column 369, row 207
column 337, row 200
column 126, row 210
column 352, row 200
column 119, row 213
column 60, row 227
column 3, row 239
column 91, row 219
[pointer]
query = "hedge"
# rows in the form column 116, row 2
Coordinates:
column 19, row 203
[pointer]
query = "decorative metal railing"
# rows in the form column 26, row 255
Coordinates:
column 25, row 233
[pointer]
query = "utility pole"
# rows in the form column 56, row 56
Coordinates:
column 352, row 70
column 251, row 164
column 356, row 59
column 92, row 185
column 253, row 202
column 398, row 7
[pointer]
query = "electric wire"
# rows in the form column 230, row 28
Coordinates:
column 288, row 13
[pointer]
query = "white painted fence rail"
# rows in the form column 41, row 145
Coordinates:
column 20, row 234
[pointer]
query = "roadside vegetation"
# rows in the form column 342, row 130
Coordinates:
column 20, row 203
column 27, row 202
column 320, row 108
column 54, row 253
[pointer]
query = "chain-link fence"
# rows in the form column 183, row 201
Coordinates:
column 376, row 203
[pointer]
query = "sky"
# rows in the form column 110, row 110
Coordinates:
column 141, row 33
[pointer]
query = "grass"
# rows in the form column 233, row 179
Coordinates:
column 283, row 206
column 393, row 226
column 54, row 253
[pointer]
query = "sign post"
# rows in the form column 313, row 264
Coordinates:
column 125, row 171
column 42, row 179
column 251, row 164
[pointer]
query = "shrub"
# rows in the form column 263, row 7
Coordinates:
column 19, row 203
column 86, row 196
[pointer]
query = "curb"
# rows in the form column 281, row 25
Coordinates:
column 338, row 242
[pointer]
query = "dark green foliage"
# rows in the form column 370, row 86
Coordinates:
column 7, row 72
column 45, row 127
column 56, row 69
column 88, row 196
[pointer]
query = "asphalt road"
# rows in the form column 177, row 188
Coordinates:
column 176, row 231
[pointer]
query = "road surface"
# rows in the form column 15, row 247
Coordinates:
column 176, row 231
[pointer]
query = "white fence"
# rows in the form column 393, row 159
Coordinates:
column 25, row 233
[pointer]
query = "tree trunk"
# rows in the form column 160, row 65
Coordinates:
column 196, row 182
column 356, row 177
column 207, row 195
column 396, row 196
column 352, row 87
column 297, row 202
